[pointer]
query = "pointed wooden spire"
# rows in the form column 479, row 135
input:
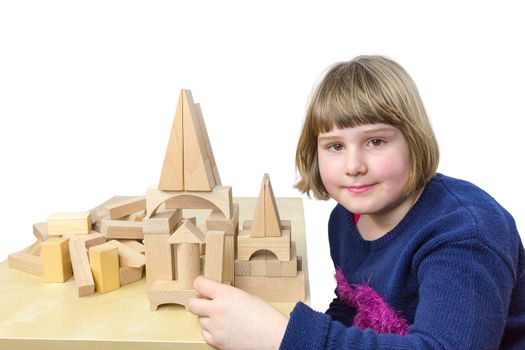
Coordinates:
column 187, row 233
column 189, row 164
column 266, row 221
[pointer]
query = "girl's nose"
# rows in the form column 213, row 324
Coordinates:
column 355, row 163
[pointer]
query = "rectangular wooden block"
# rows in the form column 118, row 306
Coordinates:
column 274, row 288
column 56, row 261
column 128, row 257
column 81, row 269
column 91, row 239
column 213, row 267
column 130, row 274
column 164, row 221
column 113, row 229
column 125, row 207
column 63, row 223
column 103, row 260
column 34, row 249
column 40, row 231
column 25, row 262
column 134, row 244
column 216, row 222
column 159, row 262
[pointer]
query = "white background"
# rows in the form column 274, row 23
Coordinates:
column 88, row 91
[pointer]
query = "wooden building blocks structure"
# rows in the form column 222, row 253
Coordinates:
column 111, row 245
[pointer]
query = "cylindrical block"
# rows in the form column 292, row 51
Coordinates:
column 188, row 264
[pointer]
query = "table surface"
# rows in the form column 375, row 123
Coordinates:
column 38, row 315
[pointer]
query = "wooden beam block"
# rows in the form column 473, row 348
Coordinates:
column 103, row 260
column 136, row 245
column 34, row 249
column 128, row 257
column 56, row 261
column 81, row 269
column 198, row 173
column 217, row 222
column 63, row 223
column 91, row 239
column 129, row 274
column 280, row 246
column 112, row 229
column 213, row 265
column 172, row 175
column 274, row 288
column 25, row 262
column 164, row 221
column 138, row 216
column 125, row 207
column 159, row 263
column 228, row 267
column 40, row 231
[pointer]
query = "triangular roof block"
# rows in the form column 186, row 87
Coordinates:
column 266, row 221
column 189, row 164
column 187, row 233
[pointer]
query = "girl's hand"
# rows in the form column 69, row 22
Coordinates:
column 233, row 319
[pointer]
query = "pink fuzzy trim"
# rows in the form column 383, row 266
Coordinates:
column 372, row 311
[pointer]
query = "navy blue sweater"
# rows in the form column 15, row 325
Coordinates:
column 454, row 268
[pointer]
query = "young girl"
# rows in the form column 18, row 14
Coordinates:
column 423, row 261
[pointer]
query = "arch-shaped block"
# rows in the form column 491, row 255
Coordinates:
column 219, row 200
column 168, row 292
column 247, row 245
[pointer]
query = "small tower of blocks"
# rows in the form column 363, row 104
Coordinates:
column 267, row 264
column 189, row 180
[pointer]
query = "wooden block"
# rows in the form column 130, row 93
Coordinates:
column 112, row 229
column 258, row 263
column 40, row 231
column 242, row 267
column 228, row 267
column 56, row 261
column 285, row 225
column 168, row 292
column 63, row 223
column 125, row 207
column 128, row 257
column 188, row 264
column 198, row 173
column 91, row 239
column 159, row 264
column 99, row 212
column 25, row 262
column 103, row 260
column 215, row 170
column 266, row 221
column 172, row 175
column 213, row 265
column 34, row 249
column 187, row 233
column 136, row 245
column 289, row 268
column 81, row 269
column 274, row 288
column 220, row 197
column 216, row 222
column 129, row 274
column 164, row 221
column 138, row 216
column 280, row 246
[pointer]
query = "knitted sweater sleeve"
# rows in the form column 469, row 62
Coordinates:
column 464, row 292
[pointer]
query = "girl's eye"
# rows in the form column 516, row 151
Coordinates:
column 336, row 147
column 375, row 142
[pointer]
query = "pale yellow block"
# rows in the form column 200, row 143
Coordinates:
column 56, row 262
column 103, row 260
column 63, row 223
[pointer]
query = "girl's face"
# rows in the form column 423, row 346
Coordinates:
column 365, row 168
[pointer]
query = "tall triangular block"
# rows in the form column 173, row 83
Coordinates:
column 266, row 221
column 189, row 164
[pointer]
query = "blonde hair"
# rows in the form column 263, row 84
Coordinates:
column 367, row 90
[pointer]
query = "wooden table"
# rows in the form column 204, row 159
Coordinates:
column 38, row 315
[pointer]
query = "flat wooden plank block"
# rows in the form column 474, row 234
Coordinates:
column 26, row 262
column 81, row 269
column 126, row 207
column 128, row 256
column 78, row 223
column 113, row 229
